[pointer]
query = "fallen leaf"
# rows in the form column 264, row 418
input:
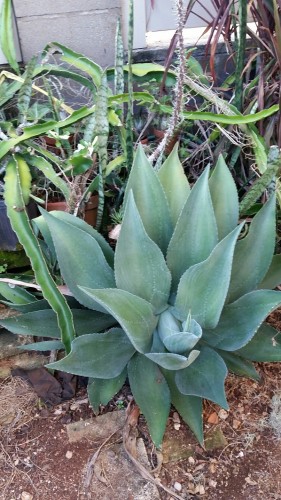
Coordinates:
column 213, row 418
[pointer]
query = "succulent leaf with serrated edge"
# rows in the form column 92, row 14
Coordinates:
column 185, row 311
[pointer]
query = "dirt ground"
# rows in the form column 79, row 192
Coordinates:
column 37, row 461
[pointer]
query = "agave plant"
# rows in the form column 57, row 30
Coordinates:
column 186, row 292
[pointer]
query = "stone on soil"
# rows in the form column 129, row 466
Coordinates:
column 96, row 428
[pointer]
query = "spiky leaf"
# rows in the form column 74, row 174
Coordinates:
column 205, row 377
column 134, row 314
column 172, row 361
column 253, row 254
column 100, row 391
column 82, row 264
column 241, row 319
column 203, row 287
column 43, row 323
column 224, row 198
column 151, row 393
column 150, row 200
column 265, row 346
column 174, row 183
column 104, row 355
column 195, row 234
column 238, row 365
column 273, row 275
column 140, row 266
column 189, row 407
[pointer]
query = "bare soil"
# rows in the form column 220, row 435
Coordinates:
column 38, row 462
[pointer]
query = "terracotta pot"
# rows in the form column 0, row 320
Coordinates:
column 91, row 208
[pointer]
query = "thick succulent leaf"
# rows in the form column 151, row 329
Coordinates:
column 44, row 323
column 81, row 224
column 203, row 287
column 39, row 224
column 172, row 361
column 151, row 200
column 224, row 197
column 82, row 264
column 273, row 275
column 97, row 355
column 135, row 315
column 253, row 254
column 101, row 391
column 151, row 393
column 16, row 294
column 238, row 365
column 46, row 345
column 205, row 377
column 175, row 336
column 241, row 319
column 140, row 267
column 189, row 407
column 174, row 183
column 195, row 234
column 38, row 305
column 265, row 346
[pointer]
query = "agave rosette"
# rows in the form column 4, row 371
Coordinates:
column 186, row 292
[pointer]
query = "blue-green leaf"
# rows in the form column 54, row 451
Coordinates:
column 82, row 264
column 172, row 361
column 205, row 377
column 135, row 315
column 195, row 234
column 43, row 323
column 151, row 393
column 176, row 336
column 140, row 267
column 253, row 254
column 16, row 294
column 224, row 198
column 150, row 200
column 46, row 345
column 265, row 346
column 273, row 275
column 203, row 287
column 240, row 320
column 81, row 224
column 101, row 391
column 238, row 365
column 174, row 183
column 189, row 407
column 97, row 355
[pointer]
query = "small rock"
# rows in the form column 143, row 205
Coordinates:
column 212, row 483
column 191, row 460
column 199, row 489
column 177, row 486
column 69, row 454
column 215, row 439
column 236, row 424
column 26, row 496
column 250, row 481
column 223, row 414
column 96, row 428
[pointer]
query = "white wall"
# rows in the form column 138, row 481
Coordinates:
column 2, row 57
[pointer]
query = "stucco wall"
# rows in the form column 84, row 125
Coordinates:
column 87, row 26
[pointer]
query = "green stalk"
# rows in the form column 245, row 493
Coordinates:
column 240, row 54
column 15, row 173
column 129, row 119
